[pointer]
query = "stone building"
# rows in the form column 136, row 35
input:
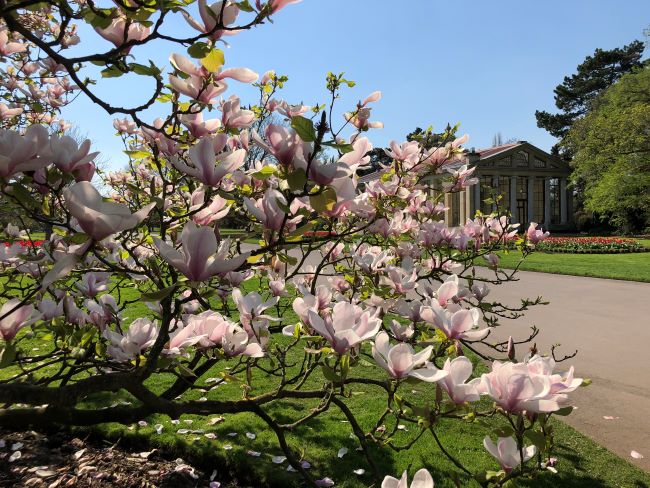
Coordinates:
column 532, row 182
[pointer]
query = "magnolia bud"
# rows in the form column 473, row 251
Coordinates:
column 511, row 349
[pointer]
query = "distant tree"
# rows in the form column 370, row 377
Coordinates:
column 573, row 97
column 611, row 149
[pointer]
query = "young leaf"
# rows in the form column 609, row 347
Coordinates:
column 304, row 127
column 213, row 61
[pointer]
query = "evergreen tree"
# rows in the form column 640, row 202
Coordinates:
column 573, row 97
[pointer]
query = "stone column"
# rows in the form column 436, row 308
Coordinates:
column 462, row 210
column 563, row 202
column 513, row 200
column 469, row 211
column 477, row 198
column 448, row 211
column 531, row 200
column 547, row 202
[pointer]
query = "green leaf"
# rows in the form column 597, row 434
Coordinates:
column 537, row 438
column 304, row 127
column 297, row 179
column 154, row 296
column 563, row 412
column 344, row 148
column 141, row 69
column 78, row 238
column 245, row 6
column 213, row 61
column 302, row 230
column 112, row 72
column 323, row 201
column 330, row 375
column 7, row 355
column 198, row 50
column 137, row 154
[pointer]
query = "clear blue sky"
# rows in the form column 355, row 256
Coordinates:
column 488, row 65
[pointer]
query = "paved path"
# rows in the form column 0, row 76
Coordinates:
column 608, row 321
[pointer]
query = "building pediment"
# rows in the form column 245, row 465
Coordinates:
column 517, row 157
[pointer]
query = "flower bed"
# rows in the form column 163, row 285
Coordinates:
column 590, row 245
column 25, row 243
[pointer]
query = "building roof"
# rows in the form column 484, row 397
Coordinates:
column 491, row 151
column 478, row 156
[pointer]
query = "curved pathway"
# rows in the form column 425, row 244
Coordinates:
column 608, row 321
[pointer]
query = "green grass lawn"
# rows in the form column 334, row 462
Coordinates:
column 582, row 462
column 624, row 266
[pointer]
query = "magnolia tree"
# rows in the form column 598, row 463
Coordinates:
column 345, row 274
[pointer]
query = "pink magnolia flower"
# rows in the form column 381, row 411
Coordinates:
column 67, row 155
column 276, row 5
column 480, row 290
column 197, row 126
column 401, row 332
column 233, row 117
column 213, row 16
column 7, row 113
column 321, row 172
column 8, row 47
column 278, row 288
column 506, row 452
column 515, row 389
column 347, row 326
column 217, row 209
column 360, row 119
column 448, row 292
column 197, row 88
column 422, row 479
column 19, row 153
column 118, row 34
column 460, row 179
column 560, row 384
column 267, row 209
column 316, row 303
column 97, row 218
column 283, row 143
column 12, row 322
column 403, row 279
column 142, row 334
column 237, row 342
column 401, row 361
column 492, row 260
column 50, row 309
column 187, row 66
column 535, row 236
column 371, row 258
column 200, row 258
column 124, row 126
column 208, row 167
column 93, row 283
column 454, row 322
column 460, row 369
column 204, row 330
column 252, row 306
column 290, row 111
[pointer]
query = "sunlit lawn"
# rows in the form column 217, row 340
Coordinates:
column 582, row 463
column 623, row 266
